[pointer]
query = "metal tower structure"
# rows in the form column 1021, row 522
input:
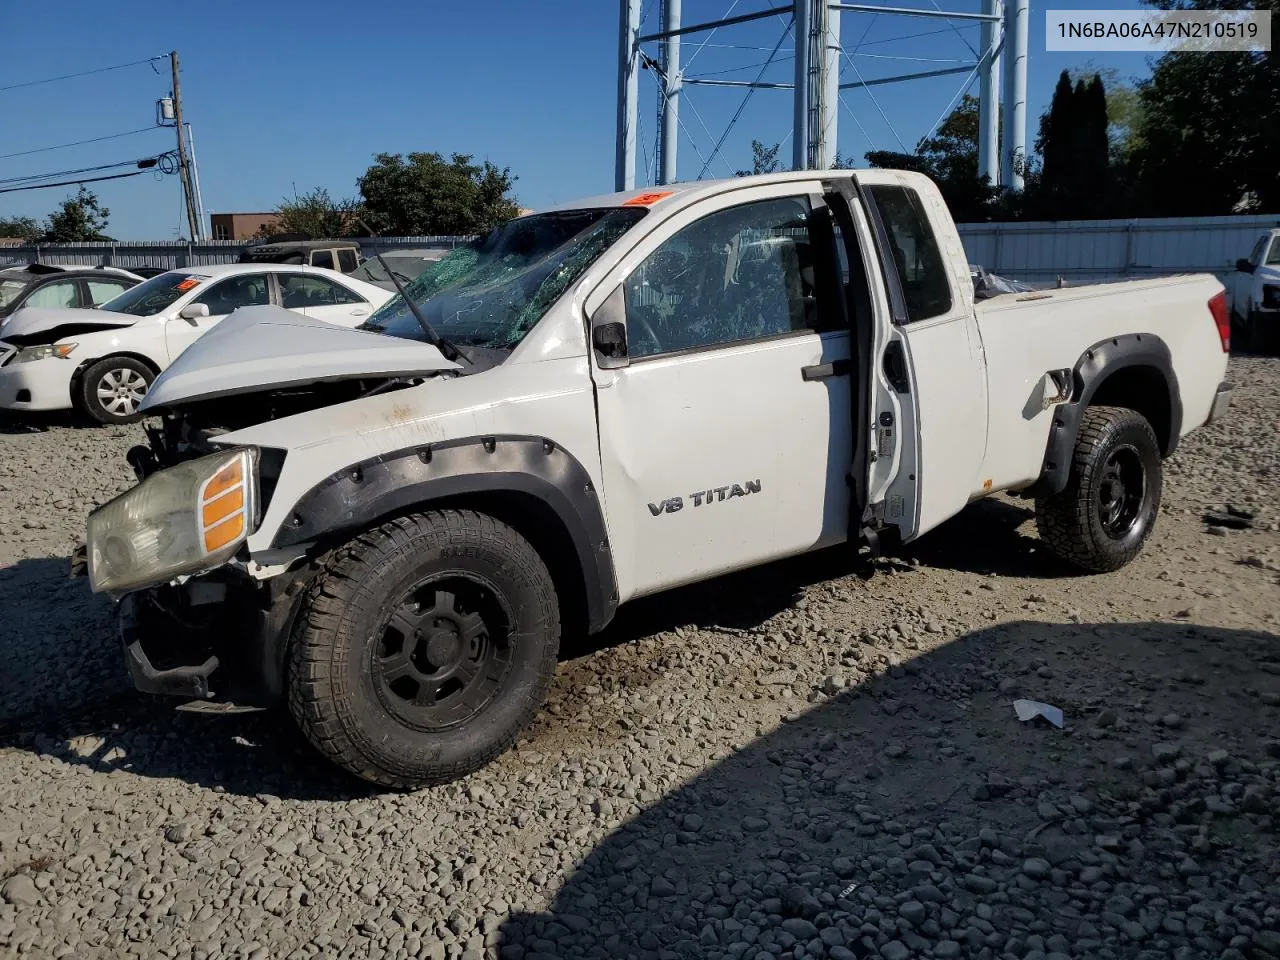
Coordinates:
column 814, row 28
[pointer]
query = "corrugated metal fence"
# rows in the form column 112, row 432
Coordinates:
column 1083, row 251
column 1079, row 251
column 169, row 254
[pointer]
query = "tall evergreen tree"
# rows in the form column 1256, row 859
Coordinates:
column 1054, row 145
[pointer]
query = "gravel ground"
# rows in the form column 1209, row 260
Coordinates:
column 792, row 761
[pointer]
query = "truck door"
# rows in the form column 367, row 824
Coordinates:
column 932, row 357
column 722, row 383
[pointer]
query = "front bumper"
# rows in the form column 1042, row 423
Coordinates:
column 37, row 385
column 220, row 638
column 1221, row 400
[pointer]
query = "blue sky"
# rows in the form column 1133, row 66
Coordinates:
column 283, row 94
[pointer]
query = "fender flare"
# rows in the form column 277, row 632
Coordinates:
column 1093, row 367
column 360, row 495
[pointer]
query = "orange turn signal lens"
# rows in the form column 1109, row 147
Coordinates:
column 224, row 507
column 215, row 511
column 217, row 537
column 232, row 475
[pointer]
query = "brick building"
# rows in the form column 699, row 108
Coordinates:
column 240, row 226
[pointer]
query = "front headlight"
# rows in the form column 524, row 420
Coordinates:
column 43, row 352
column 181, row 520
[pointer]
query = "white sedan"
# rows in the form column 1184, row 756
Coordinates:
column 102, row 361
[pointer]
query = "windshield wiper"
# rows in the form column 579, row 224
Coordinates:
column 450, row 350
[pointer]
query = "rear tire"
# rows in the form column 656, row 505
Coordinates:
column 1262, row 337
column 1100, row 521
column 111, row 389
column 424, row 649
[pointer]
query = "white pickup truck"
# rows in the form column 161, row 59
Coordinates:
column 1255, row 295
column 391, row 527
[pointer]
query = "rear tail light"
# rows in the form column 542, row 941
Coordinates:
column 1218, row 307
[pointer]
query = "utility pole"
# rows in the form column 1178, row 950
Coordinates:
column 184, row 172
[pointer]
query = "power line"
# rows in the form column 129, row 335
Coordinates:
column 32, row 178
column 77, row 143
column 72, row 183
column 83, row 73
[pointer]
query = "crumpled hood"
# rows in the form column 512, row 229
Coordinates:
column 46, row 324
column 257, row 349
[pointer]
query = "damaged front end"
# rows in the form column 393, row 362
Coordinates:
column 195, row 620
column 203, row 616
column 216, row 638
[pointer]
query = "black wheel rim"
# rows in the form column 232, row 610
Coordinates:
column 444, row 651
column 1122, row 491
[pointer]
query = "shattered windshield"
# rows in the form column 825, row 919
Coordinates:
column 9, row 290
column 492, row 292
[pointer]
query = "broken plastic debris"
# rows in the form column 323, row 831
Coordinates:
column 1030, row 709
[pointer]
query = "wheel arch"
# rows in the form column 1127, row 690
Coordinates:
column 1134, row 371
column 78, row 376
column 530, row 483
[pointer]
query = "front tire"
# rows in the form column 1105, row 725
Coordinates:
column 1262, row 337
column 1100, row 521
column 426, row 646
column 112, row 389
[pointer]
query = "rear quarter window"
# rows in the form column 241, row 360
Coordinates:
column 922, row 271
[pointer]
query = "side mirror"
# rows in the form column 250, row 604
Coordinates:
column 194, row 311
column 609, row 332
column 610, row 343
column 1244, row 266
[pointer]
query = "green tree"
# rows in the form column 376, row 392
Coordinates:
column 25, row 228
column 319, row 216
column 425, row 194
column 763, row 159
column 1209, row 142
column 1075, row 179
column 950, row 158
column 1124, row 107
column 77, row 219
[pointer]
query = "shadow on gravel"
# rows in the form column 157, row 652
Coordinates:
column 984, row 538
column 65, row 692
column 40, row 422
column 738, row 601
column 913, row 815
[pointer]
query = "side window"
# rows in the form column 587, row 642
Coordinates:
column 921, row 269
column 322, row 258
column 740, row 274
column 1273, row 257
column 61, row 293
column 299, row 291
column 347, row 260
column 228, row 295
column 1255, row 257
column 100, row 291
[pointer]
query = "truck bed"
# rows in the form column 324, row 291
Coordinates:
column 1026, row 335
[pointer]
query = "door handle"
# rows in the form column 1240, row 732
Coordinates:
column 359, row 312
column 822, row 371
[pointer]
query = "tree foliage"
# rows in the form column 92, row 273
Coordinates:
column 1124, row 107
column 1209, row 142
column 763, row 159
column 1075, row 178
column 425, row 194
column 24, row 228
column 77, row 219
column 318, row 215
column 950, row 158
